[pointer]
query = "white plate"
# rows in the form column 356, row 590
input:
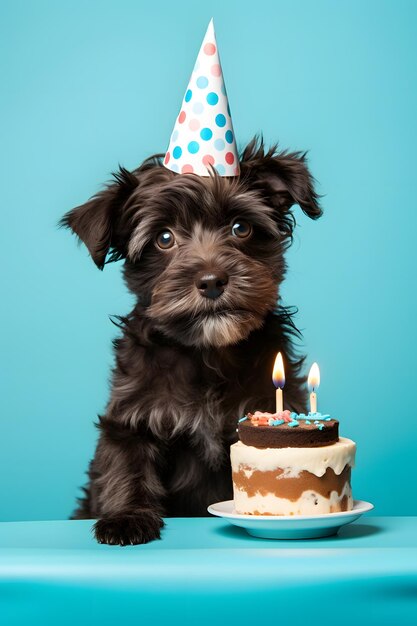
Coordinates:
column 290, row 526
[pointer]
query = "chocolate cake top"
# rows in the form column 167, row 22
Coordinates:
column 286, row 429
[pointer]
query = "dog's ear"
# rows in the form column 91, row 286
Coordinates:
column 282, row 178
column 96, row 222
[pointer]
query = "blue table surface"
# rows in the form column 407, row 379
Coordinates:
column 203, row 570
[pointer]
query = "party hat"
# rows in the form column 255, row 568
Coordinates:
column 203, row 132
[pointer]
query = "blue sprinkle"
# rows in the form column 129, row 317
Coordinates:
column 293, row 423
column 320, row 426
column 242, row 419
column 276, row 422
column 319, row 416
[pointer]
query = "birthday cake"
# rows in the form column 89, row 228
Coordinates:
column 291, row 464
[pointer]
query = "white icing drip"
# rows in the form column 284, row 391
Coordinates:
column 309, row 503
column 294, row 460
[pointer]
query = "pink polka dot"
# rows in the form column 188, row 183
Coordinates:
column 167, row 157
column 229, row 158
column 216, row 70
column 187, row 169
column 181, row 117
column 209, row 48
column 208, row 159
column 194, row 124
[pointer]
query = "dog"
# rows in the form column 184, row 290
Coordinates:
column 205, row 257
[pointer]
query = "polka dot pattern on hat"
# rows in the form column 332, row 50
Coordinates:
column 220, row 120
column 194, row 124
column 193, row 147
column 208, row 159
column 203, row 135
column 202, row 82
column 212, row 98
column 206, row 134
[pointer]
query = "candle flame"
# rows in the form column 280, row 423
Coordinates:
column 278, row 374
column 313, row 378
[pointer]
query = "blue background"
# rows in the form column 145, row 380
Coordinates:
column 88, row 85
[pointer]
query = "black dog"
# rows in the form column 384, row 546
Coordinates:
column 205, row 258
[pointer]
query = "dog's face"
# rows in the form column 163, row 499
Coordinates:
column 204, row 256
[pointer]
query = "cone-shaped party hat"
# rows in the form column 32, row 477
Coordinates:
column 203, row 132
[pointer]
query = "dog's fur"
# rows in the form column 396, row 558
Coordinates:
column 188, row 366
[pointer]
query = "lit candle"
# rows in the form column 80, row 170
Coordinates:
column 278, row 377
column 313, row 384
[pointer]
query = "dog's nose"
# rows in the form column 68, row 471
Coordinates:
column 211, row 285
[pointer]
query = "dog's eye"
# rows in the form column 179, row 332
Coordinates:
column 241, row 229
column 165, row 240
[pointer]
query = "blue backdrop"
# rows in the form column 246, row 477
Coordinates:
column 88, row 85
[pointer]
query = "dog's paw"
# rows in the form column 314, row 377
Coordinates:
column 129, row 530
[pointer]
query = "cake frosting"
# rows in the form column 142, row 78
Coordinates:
column 290, row 429
column 277, row 475
column 313, row 460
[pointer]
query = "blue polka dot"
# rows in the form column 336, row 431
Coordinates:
column 212, row 98
column 174, row 136
column 220, row 169
column 198, row 108
column 202, row 82
column 206, row 134
column 174, row 167
column 188, row 95
column 193, row 147
column 220, row 120
column 177, row 152
column 229, row 136
column 219, row 144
